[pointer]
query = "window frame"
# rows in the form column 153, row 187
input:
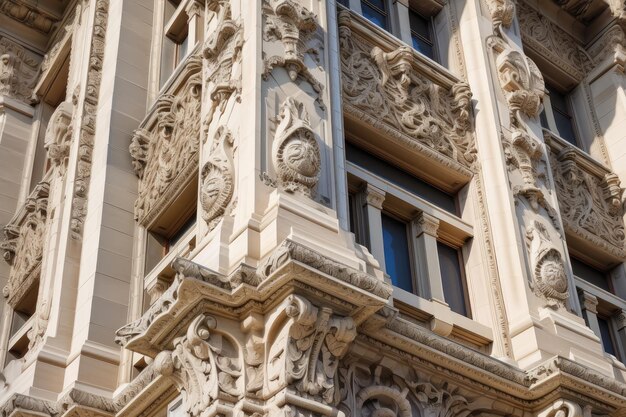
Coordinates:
column 549, row 112
column 431, row 30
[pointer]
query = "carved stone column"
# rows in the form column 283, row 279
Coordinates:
column 589, row 304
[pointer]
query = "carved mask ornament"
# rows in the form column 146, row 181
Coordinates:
column 217, row 178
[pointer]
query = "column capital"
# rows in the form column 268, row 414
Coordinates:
column 589, row 302
column 374, row 196
column 620, row 319
column 425, row 223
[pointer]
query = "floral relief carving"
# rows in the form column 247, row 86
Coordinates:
column 388, row 90
column 552, row 42
column 88, row 119
column 293, row 25
column 308, row 349
column 23, row 244
column 18, row 71
column 590, row 205
column 204, row 365
column 217, row 178
column 58, row 135
column 549, row 278
column 222, row 50
column 166, row 156
column 295, row 151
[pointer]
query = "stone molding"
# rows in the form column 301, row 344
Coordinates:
column 393, row 89
column 19, row 69
column 28, row 14
column 165, row 147
column 23, row 244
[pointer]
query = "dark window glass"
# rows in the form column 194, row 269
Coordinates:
column 345, row 3
column 590, row 274
column 400, row 178
column 354, row 226
column 421, row 34
column 375, row 11
column 562, row 116
column 396, row 245
column 606, row 335
column 452, row 278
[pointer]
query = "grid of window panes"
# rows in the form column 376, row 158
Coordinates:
column 376, row 12
column 562, row 116
column 422, row 34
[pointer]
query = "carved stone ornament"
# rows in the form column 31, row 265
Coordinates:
column 28, row 14
column 58, row 135
column 295, row 151
column 552, row 42
column 306, row 352
column 377, row 391
column 18, row 71
column 23, row 245
column 88, row 118
column 165, row 155
column 502, row 12
column 217, row 178
column 222, row 50
column 291, row 24
column 204, row 365
column 590, row 205
column 388, row 90
column 549, row 277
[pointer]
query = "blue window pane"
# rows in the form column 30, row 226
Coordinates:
column 605, row 334
column 565, row 127
column 375, row 16
column 452, row 278
column 396, row 247
column 424, row 47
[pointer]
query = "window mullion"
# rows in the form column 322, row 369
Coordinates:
column 425, row 229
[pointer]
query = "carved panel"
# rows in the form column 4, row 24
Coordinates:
column 590, row 202
column 390, row 91
column 552, row 42
column 18, row 71
column 217, row 178
column 23, row 244
column 165, row 153
column 58, row 135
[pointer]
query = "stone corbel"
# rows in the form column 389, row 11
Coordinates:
column 612, row 193
column 308, row 348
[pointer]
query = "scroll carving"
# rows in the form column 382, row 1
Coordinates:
column 58, row 135
column 590, row 205
column 549, row 278
column 295, row 151
column 23, row 245
column 217, row 178
column 388, row 90
column 222, row 50
column 18, row 71
column 293, row 25
column 88, row 121
column 308, row 349
column 166, row 155
column 204, row 365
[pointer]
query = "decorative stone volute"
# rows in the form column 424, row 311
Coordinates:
column 295, row 151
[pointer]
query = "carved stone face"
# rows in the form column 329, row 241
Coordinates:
column 553, row 274
column 301, row 156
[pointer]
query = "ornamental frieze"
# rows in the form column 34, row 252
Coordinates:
column 23, row 244
column 165, row 148
column 387, row 87
column 590, row 200
column 18, row 71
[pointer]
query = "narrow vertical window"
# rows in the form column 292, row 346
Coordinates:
column 563, row 119
column 452, row 278
column 396, row 247
column 422, row 34
column 607, row 336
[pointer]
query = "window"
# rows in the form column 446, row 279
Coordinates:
column 591, row 274
column 607, row 336
column 176, row 41
column 396, row 248
column 422, row 34
column 557, row 117
column 376, row 12
column 21, row 323
column 452, row 278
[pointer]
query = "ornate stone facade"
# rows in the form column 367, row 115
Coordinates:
column 278, row 208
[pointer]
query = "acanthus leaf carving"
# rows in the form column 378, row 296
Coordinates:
column 293, row 25
column 548, row 267
column 204, row 364
column 309, row 348
column 388, row 90
column 217, row 178
column 295, row 151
